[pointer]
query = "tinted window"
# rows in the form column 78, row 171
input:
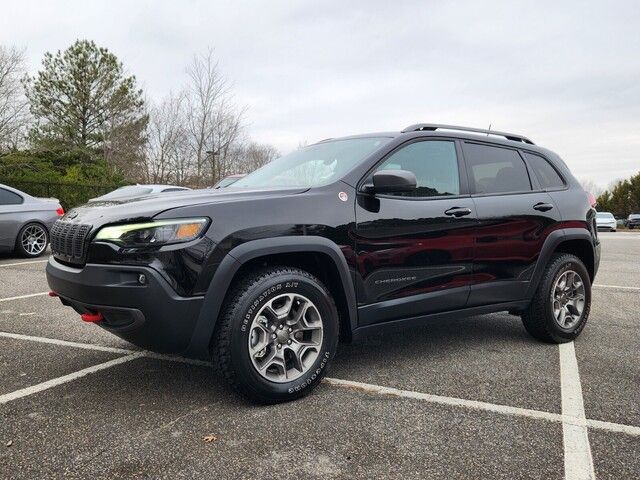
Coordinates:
column 434, row 163
column 495, row 169
column 544, row 172
column 9, row 198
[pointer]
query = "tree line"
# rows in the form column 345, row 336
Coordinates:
column 83, row 118
column 622, row 198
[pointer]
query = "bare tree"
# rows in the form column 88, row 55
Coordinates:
column 14, row 117
column 206, row 90
column 590, row 186
column 251, row 156
column 214, row 122
column 167, row 159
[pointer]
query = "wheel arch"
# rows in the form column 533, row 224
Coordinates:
column 318, row 255
column 575, row 241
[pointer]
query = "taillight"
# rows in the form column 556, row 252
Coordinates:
column 592, row 199
column 60, row 211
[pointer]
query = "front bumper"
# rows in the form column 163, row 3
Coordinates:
column 149, row 314
column 607, row 226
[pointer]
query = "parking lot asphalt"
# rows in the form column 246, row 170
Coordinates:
column 469, row 398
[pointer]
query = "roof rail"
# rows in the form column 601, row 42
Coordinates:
column 420, row 127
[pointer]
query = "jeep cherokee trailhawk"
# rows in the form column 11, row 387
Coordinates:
column 347, row 236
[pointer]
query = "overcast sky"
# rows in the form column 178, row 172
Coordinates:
column 566, row 76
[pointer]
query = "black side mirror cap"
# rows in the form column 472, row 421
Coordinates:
column 392, row 181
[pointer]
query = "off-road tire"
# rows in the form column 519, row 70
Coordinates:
column 538, row 318
column 229, row 347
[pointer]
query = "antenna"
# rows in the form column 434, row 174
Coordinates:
column 489, row 129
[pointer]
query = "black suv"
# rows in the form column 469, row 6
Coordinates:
column 337, row 239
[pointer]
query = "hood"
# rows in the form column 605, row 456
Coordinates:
column 143, row 208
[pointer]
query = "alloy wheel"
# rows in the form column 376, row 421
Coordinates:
column 34, row 239
column 568, row 299
column 285, row 337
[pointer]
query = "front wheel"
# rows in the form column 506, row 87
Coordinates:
column 560, row 307
column 32, row 240
column 276, row 335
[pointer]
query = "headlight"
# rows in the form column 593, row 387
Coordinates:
column 160, row 232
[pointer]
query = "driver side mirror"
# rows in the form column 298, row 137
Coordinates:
column 392, row 181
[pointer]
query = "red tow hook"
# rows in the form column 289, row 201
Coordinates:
column 53, row 294
column 92, row 317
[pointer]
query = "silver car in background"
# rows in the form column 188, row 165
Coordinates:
column 25, row 221
column 137, row 191
column 606, row 221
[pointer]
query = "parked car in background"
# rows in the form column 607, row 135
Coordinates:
column 25, row 221
column 633, row 221
column 136, row 191
column 231, row 179
column 606, row 221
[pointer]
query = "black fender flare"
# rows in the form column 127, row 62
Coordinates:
column 231, row 263
column 550, row 245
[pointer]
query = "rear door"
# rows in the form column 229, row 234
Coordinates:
column 415, row 250
column 515, row 217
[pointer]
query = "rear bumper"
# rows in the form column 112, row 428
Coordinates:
column 150, row 314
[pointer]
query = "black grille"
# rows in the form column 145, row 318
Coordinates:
column 68, row 241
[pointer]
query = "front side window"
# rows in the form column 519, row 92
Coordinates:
column 545, row 173
column 495, row 169
column 9, row 198
column 433, row 162
column 313, row 166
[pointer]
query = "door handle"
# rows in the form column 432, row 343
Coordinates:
column 542, row 207
column 458, row 211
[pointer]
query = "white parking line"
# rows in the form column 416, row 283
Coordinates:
column 368, row 388
column 64, row 343
column 101, row 348
column 21, row 263
column 450, row 401
column 489, row 407
column 578, row 461
column 618, row 287
column 8, row 299
column 67, row 378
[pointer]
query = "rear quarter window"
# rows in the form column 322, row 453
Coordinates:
column 9, row 198
column 547, row 175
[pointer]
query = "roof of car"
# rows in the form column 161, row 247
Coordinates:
column 466, row 133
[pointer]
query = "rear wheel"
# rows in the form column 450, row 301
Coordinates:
column 277, row 333
column 32, row 240
column 560, row 307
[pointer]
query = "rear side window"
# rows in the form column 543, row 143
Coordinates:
column 495, row 169
column 433, row 162
column 9, row 198
column 544, row 172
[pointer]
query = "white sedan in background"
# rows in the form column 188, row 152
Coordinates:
column 606, row 221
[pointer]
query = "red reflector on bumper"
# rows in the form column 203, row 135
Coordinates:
column 92, row 317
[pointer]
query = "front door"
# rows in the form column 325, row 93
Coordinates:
column 415, row 250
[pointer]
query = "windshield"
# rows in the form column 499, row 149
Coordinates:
column 604, row 215
column 130, row 191
column 312, row 166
